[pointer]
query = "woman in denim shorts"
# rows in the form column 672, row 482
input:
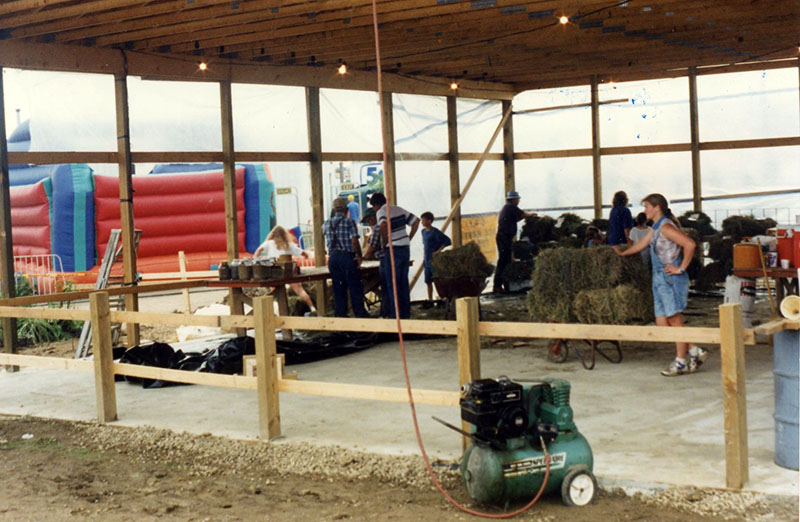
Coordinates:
column 670, row 254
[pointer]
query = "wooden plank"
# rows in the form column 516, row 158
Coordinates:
column 84, row 294
column 389, row 170
column 694, row 130
column 597, row 168
column 775, row 326
column 791, row 141
column 508, row 149
column 181, row 276
column 314, row 123
column 269, row 412
column 105, row 391
column 452, row 158
column 186, row 299
column 204, row 379
column 215, row 321
column 45, row 313
column 469, row 348
column 7, row 281
column 178, row 156
column 350, row 324
column 125, row 166
column 734, row 397
column 44, row 158
column 52, row 363
column 373, row 393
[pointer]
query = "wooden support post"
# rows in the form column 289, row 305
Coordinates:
column 455, row 182
column 182, row 265
column 697, row 187
column 597, row 170
column 126, row 203
column 317, row 195
column 389, row 170
column 105, row 392
column 508, row 149
column 469, row 347
column 269, row 412
column 733, row 395
column 229, row 183
column 7, row 282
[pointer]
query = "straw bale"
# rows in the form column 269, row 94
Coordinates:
column 600, row 223
column 518, row 271
column 624, row 304
column 539, row 229
column 697, row 221
column 570, row 224
column 467, row 260
column 739, row 227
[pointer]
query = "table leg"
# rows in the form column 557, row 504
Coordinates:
column 321, row 298
column 779, row 282
column 283, row 307
column 236, row 300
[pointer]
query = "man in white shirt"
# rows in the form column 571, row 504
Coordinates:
column 401, row 241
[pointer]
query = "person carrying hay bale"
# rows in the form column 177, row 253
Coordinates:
column 671, row 252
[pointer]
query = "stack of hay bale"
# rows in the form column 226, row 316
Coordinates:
column 590, row 285
column 465, row 261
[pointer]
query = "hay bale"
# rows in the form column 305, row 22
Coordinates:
column 540, row 229
column 465, row 261
column 624, row 304
column 739, row 227
column 518, row 271
column 570, row 224
column 523, row 250
column 697, row 221
column 600, row 223
column 561, row 273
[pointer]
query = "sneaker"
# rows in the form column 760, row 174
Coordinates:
column 696, row 361
column 675, row 368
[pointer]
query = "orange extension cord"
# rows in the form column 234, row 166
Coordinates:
column 388, row 188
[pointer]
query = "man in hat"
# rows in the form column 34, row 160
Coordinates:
column 506, row 233
column 401, row 241
column 374, row 250
column 344, row 260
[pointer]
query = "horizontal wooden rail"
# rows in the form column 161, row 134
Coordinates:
column 345, row 324
column 53, row 363
column 215, row 321
column 606, row 332
column 186, row 377
column 141, row 288
column 45, row 313
column 775, row 326
column 375, row 393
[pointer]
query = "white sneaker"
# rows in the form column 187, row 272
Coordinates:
column 675, row 368
column 696, row 361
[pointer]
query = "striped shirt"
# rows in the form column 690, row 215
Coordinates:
column 400, row 219
column 338, row 231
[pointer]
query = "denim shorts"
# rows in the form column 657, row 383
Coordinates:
column 428, row 274
column 670, row 294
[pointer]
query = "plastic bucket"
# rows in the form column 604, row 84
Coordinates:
column 742, row 290
column 786, row 370
column 746, row 255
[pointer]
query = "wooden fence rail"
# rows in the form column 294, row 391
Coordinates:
column 731, row 337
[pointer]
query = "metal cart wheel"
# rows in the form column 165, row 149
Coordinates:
column 558, row 350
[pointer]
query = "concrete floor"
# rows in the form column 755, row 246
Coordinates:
column 644, row 429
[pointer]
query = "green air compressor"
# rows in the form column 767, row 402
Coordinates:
column 513, row 425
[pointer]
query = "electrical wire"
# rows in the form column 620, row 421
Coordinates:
column 388, row 189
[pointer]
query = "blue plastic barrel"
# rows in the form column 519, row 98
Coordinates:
column 786, row 371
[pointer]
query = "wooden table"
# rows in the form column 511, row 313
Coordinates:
column 785, row 279
column 369, row 274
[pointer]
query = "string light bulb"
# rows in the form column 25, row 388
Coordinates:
column 564, row 20
column 342, row 69
column 453, row 86
column 203, row 66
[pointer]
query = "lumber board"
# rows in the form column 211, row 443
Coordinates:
column 453, row 163
column 204, row 379
column 776, row 325
column 217, row 321
column 349, row 324
column 374, row 393
column 84, row 294
column 469, row 348
column 734, row 395
column 267, row 375
column 104, row 386
column 52, row 363
column 45, row 313
column 180, row 276
column 7, row 281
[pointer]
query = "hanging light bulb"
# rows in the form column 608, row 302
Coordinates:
column 203, row 66
column 453, row 86
column 564, row 20
column 342, row 69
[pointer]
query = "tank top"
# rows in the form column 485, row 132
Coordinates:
column 668, row 251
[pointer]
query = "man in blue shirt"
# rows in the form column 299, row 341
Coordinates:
column 620, row 221
column 344, row 260
column 433, row 241
column 353, row 208
column 506, row 233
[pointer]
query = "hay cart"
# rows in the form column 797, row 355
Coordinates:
column 558, row 350
column 451, row 288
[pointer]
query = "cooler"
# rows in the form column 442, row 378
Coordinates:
column 789, row 243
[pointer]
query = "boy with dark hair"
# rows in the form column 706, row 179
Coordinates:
column 433, row 241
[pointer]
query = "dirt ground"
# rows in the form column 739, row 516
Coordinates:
column 56, row 470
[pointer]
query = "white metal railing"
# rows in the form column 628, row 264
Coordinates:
column 44, row 272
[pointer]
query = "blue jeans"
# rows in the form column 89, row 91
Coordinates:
column 346, row 276
column 384, row 294
column 402, row 256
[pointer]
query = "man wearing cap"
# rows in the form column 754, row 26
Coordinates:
column 353, row 208
column 506, row 233
column 401, row 241
column 344, row 260
column 374, row 250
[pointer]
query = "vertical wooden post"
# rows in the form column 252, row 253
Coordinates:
column 317, row 196
column 597, row 170
column 105, row 392
column 229, row 184
column 455, row 182
column 182, row 264
column 389, row 170
column 508, row 149
column 469, row 347
column 733, row 394
column 269, row 412
column 7, row 282
column 697, row 187
column 126, row 202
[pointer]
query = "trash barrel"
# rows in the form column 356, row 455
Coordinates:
column 786, row 370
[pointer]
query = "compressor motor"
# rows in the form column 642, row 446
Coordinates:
column 513, row 425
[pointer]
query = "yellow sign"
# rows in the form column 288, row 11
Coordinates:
column 348, row 186
column 281, row 191
column 481, row 229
